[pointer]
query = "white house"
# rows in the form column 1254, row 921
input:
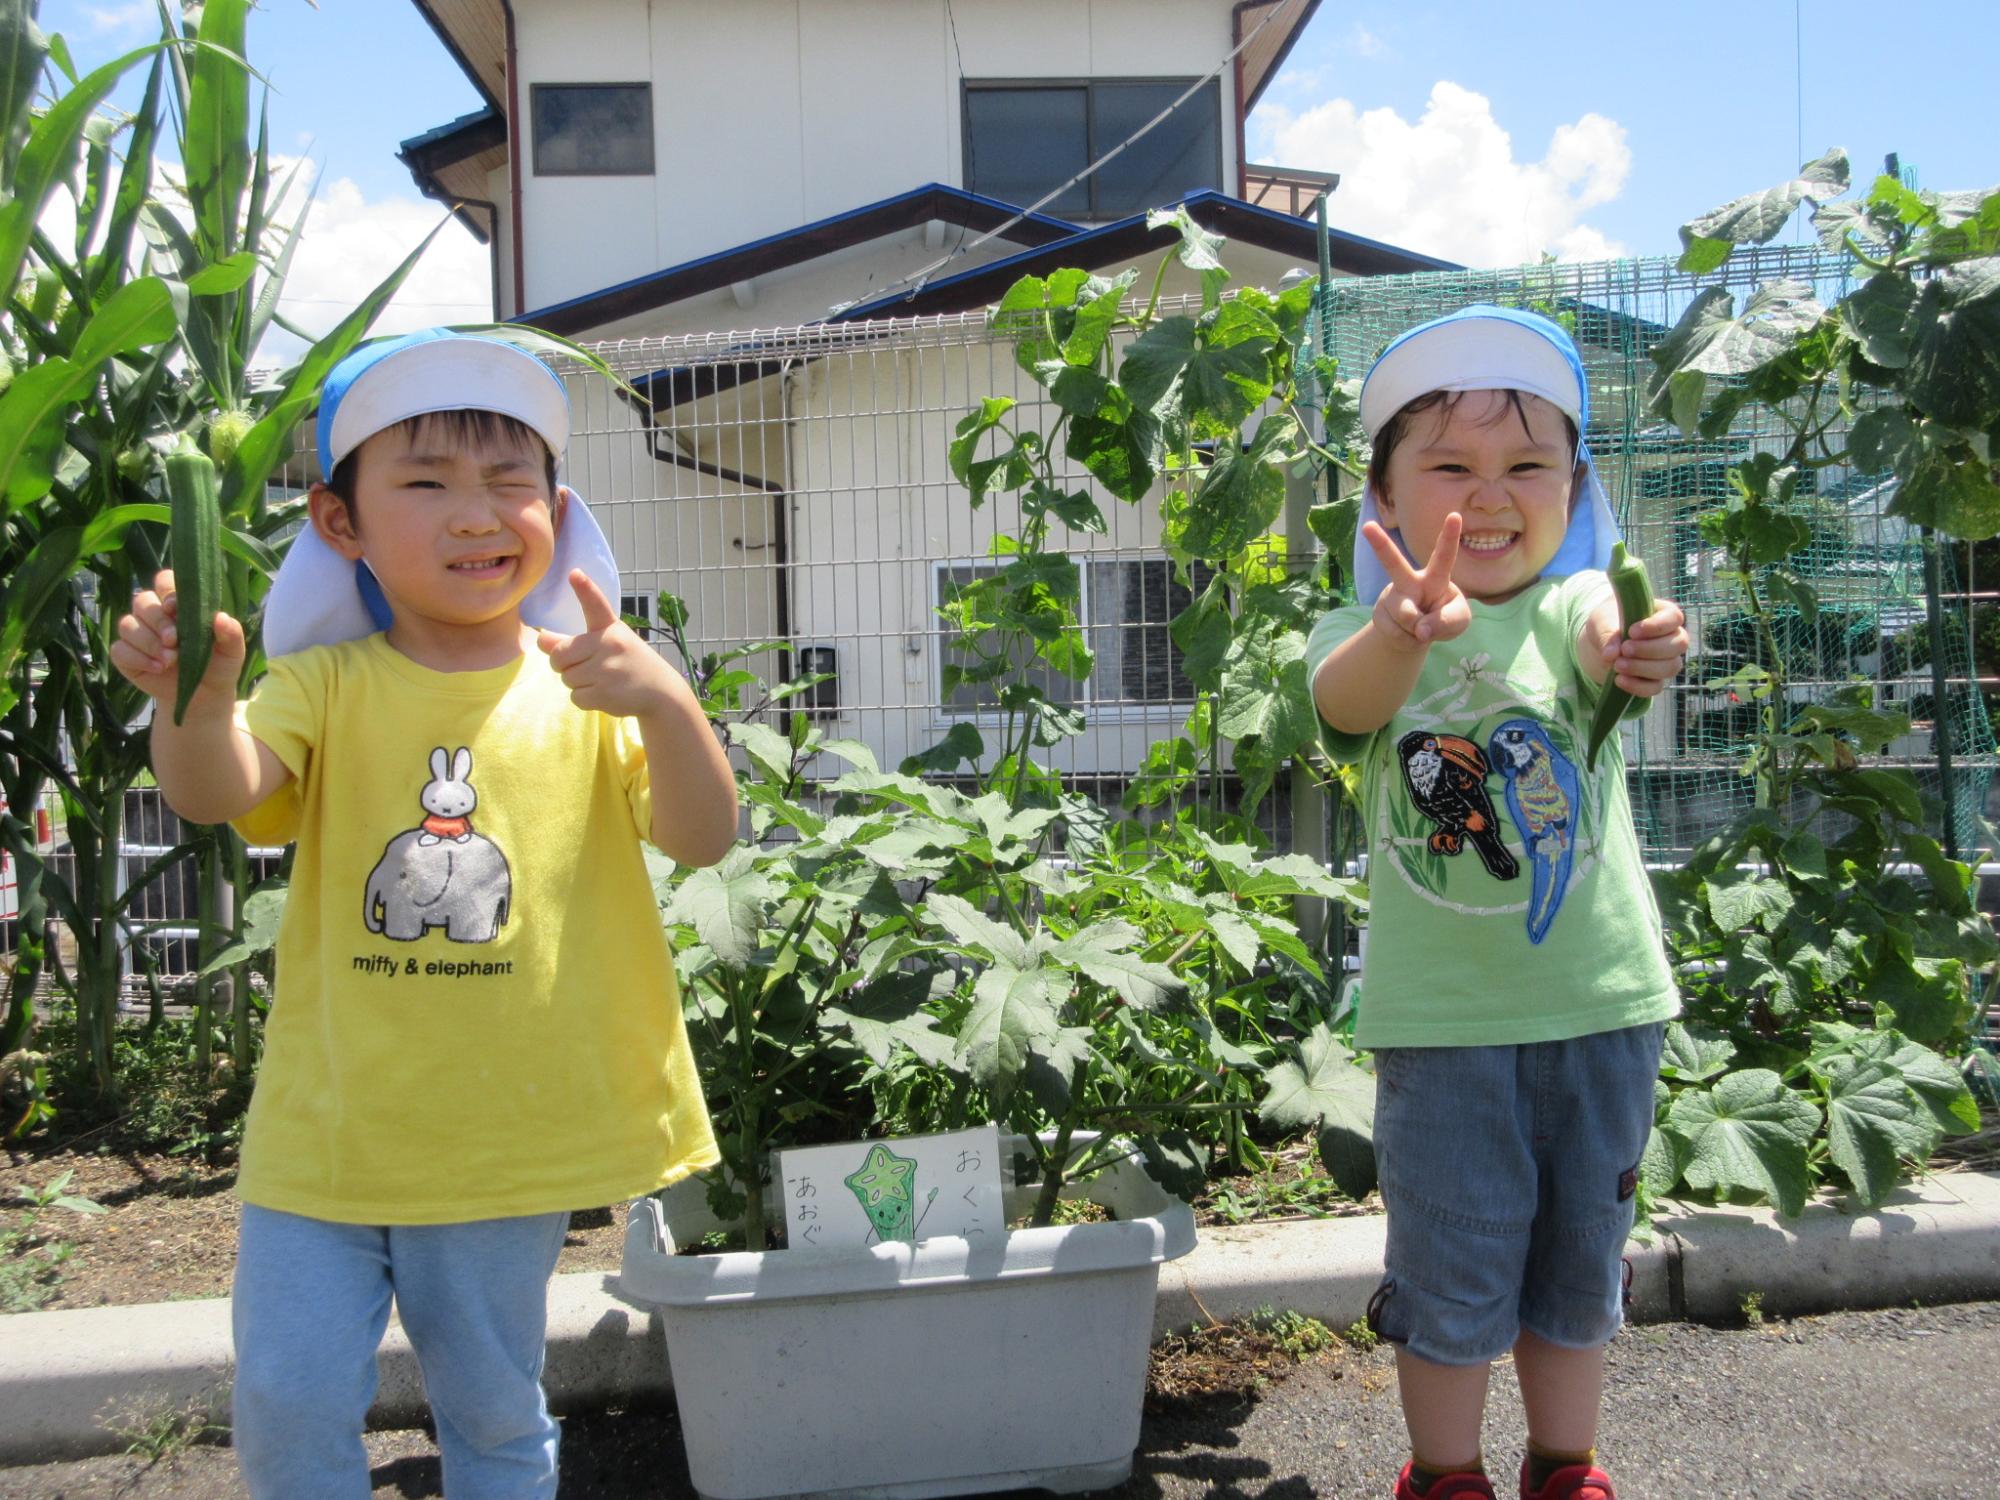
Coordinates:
column 673, row 170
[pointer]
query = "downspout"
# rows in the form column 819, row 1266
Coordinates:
column 1236, row 40
column 514, row 167
column 493, row 247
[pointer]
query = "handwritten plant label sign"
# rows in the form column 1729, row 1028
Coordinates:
column 910, row 1188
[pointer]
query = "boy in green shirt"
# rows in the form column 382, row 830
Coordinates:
column 1515, row 981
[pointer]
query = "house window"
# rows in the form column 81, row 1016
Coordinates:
column 640, row 607
column 1126, row 607
column 1137, row 660
column 1022, row 139
column 593, row 129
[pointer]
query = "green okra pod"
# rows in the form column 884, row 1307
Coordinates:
column 1634, row 592
column 196, row 547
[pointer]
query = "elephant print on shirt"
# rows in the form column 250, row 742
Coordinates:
column 441, row 873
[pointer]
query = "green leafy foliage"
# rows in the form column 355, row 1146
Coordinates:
column 1839, row 988
column 124, row 345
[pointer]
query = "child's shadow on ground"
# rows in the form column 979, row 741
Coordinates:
column 626, row 1455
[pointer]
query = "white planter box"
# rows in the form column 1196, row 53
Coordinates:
column 942, row 1368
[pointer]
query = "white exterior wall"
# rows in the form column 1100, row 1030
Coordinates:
column 703, row 536
column 875, row 509
column 769, row 114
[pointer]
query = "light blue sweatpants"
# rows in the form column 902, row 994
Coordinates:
column 311, row 1301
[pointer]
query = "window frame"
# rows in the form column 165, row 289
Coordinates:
column 1093, row 147
column 535, row 92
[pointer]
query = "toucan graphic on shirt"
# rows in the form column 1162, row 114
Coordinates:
column 1446, row 776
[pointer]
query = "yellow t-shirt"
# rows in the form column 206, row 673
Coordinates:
column 476, row 1014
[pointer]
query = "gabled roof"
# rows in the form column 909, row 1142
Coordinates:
column 931, row 202
column 1074, row 246
column 1127, row 239
column 1262, row 60
column 1052, row 243
column 474, row 32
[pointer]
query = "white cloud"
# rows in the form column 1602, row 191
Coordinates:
column 351, row 242
column 1448, row 184
column 1361, row 42
column 105, row 19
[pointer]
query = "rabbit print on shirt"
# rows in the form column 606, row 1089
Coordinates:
column 441, row 873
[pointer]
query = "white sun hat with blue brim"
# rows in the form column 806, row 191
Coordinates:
column 319, row 598
column 1483, row 348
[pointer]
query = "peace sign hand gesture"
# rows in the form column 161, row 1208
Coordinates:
column 606, row 666
column 1420, row 605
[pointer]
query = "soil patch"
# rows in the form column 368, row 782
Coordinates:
column 169, row 1230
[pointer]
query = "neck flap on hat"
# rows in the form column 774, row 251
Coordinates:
column 319, row 598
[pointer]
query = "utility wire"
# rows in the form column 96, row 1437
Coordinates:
column 917, row 280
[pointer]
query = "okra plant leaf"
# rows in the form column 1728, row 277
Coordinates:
column 1175, row 1162
column 975, row 929
column 890, row 1013
column 1015, row 1014
column 1237, row 937
column 725, row 905
column 1102, row 951
column 1748, row 1133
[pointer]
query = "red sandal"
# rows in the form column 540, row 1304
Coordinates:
column 1577, row 1482
column 1446, row 1487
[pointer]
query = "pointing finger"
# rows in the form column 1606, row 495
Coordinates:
column 597, row 611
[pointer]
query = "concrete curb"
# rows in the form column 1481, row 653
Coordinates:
column 70, row 1380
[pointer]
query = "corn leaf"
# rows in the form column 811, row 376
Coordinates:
column 265, row 446
column 218, row 124
column 45, row 160
column 22, row 49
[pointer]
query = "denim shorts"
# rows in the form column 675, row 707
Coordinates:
column 1509, row 1174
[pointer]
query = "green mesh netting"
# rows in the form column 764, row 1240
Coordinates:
column 1867, row 567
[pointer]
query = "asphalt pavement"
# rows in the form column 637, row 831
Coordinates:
column 1896, row 1404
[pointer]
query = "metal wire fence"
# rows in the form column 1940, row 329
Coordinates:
column 793, row 488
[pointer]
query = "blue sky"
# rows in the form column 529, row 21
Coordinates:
column 1479, row 131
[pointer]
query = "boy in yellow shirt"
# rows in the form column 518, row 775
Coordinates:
column 476, row 1027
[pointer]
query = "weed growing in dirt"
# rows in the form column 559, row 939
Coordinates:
column 1294, row 1333
column 31, row 1262
column 163, row 1430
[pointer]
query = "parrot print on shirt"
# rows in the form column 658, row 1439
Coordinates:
column 1446, row 776
column 1543, row 798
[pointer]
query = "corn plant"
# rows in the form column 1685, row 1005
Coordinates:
column 120, row 346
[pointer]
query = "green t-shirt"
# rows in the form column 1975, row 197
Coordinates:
column 1507, row 899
